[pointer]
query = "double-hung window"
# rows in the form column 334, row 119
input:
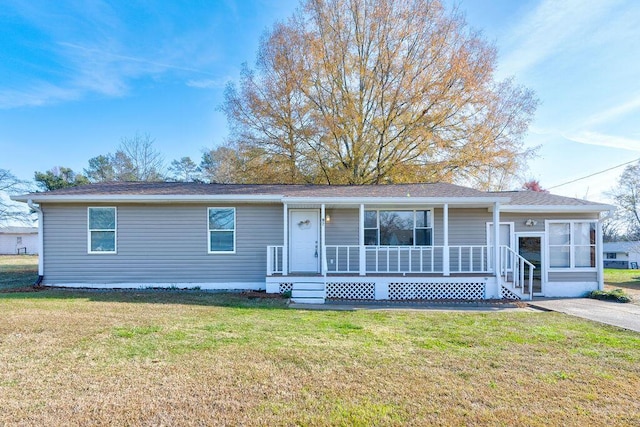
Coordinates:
column 102, row 224
column 222, row 230
column 572, row 244
column 398, row 228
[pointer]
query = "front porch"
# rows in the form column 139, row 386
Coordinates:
column 313, row 266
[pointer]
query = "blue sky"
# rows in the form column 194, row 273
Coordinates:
column 79, row 76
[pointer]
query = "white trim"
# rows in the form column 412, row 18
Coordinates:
column 512, row 228
column 486, row 201
column 209, row 230
column 285, row 241
column 497, row 292
column 599, row 256
column 446, row 267
column 362, row 266
column 572, row 267
column 135, row 198
column 184, row 198
column 322, row 255
column 223, row 286
column 114, row 230
column 412, row 210
column 544, row 274
column 556, row 208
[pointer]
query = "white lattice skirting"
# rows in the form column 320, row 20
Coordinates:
column 285, row 287
column 436, row 291
column 351, row 290
column 509, row 294
column 397, row 288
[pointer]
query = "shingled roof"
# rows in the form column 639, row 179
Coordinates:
column 282, row 190
column 194, row 191
column 535, row 198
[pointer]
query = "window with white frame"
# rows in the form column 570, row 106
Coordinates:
column 222, row 230
column 572, row 244
column 505, row 236
column 102, row 230
column 612, row 255
column 398, row 228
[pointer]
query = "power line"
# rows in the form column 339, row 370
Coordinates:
column 593, row 174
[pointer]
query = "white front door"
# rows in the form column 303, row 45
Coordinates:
column 304, row 240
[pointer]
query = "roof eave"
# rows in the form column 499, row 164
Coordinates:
column 596, row 208
column 136, row 198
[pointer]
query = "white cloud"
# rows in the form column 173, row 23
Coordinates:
column 38, row 94
column 602, row 140
column 208, row 83
column 552, row 27
column 613, row 112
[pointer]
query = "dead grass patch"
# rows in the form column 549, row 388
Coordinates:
column 167, row 358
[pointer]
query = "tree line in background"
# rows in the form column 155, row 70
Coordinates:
column 358, row 92
column 136, row 159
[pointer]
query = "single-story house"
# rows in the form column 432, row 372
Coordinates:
column 621, row 255
column 18, row 240
column 382, row 242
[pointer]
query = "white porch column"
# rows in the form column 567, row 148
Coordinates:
column 363, row 256
column 323, row 252
column 445, row 230
column 285, row 242
column 599, row 260
column 497, row 292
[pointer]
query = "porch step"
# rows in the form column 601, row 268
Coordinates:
column 311, row 292
column 307, row 293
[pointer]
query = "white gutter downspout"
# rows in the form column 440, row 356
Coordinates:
column 40, row 239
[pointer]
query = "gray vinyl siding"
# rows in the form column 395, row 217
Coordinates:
column 519, row 219
column 573, row 276
column 468, row 226
column 344, row 227
column 159, row 244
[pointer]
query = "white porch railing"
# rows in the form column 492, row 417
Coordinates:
column 512, row 270
column 345, row 259
column 342, row 258
column 274, row 260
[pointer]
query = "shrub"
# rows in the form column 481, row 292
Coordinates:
column 617, row 295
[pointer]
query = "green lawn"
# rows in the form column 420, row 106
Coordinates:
column 627, row 280
column 176, row 358
column 197, row 358
column 18, row 271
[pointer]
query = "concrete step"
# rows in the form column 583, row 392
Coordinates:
column 307, row 293
column 311, row 286
column 308, row 300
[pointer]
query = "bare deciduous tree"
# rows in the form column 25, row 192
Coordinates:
column 359, row 92
column 135, row 160
column 627, row 197
column 10, row 211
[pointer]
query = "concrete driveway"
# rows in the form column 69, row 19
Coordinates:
column 625, row 316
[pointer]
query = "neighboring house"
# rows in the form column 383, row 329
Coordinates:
column 621, row 254
column 384, row 242
column 18, row 240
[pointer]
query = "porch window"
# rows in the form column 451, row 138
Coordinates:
column 398, row 228
column 222, row 230
column 572, row 244
column 102, row 230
